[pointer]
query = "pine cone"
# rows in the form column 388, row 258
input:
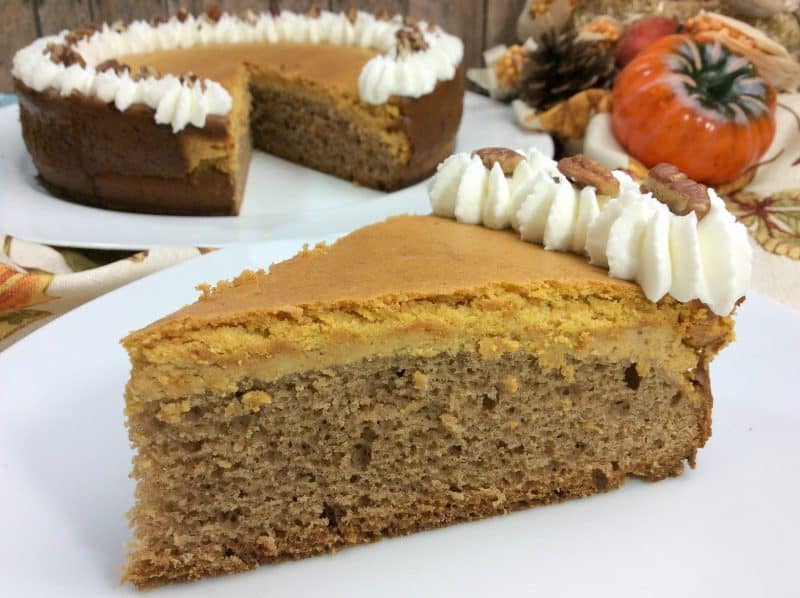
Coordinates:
column 561, row 66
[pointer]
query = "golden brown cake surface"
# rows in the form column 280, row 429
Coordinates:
column 328, row 64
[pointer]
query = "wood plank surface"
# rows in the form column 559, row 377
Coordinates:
column 196, row 6
column 18, row 29
column 55, row 15
column 501, row 21
column 127, row 10
column 463, row 19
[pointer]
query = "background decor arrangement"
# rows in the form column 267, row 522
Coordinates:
column 558, row 64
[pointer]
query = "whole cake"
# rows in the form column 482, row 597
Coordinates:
column 420, row 371
column 161, row 116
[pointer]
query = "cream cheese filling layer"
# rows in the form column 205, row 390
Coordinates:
column 178, row 103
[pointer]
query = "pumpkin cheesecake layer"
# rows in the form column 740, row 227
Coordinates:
column 415, row 373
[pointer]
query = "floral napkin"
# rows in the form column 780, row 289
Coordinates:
column 39, row 283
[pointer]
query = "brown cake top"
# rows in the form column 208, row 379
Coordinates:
column 403, row 257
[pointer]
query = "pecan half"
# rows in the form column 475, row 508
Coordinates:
column 66, row 55
column 680, row 193
column 213, row 12
column 584, row 171
column 410, row 39
column 508, row 159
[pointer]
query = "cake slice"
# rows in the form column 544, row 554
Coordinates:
column 416, row 373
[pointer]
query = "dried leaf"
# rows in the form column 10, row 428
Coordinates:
column 773, row 221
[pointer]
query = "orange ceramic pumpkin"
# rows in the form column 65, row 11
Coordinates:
column 696, row 105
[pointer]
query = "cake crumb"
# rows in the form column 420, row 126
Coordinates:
column 419, row 380
column 254, row 400
column 170, row 413
column 450, row 422
column 492, row 348
column 510, row 383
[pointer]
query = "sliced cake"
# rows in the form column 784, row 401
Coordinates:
column 160, row 117
column 416, row 373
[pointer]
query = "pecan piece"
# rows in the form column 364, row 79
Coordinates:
column 147, row 72
column 680, row 193
column 182, row 15
column 76, row 35
column 66, row 55
column 382, row 14
column 508, row 159
column 410, row 39
column 352, row 15
column 112, row 65
column 275, row 9
column 584, row 171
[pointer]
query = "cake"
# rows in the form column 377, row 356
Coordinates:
column 160, row 117
column 423, row 371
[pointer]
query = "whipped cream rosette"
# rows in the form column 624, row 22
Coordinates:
column 628, row 231
column 181, row 102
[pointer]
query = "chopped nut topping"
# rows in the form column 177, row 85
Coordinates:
column 410, row 39
column 213, row 12
column 584, row 171
column 112, row 65
column 250, row 16
column 146, row 71
column 508, row 159
column 314, row 12
column 76, row 35
column 680, row 193
column 182, row 15
column 189, row 77
column 66, row 55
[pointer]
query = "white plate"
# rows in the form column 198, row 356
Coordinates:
column 728, row 528
column 282, row 200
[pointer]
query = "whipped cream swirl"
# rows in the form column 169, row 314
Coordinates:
column 633, row 235
column 179, row 103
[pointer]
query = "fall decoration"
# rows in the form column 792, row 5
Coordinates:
column 562, row 66
column 772, row 60
column 566, row 120
column 602, row 30
column 508, row 67
column 696, row 105
column 641, row 34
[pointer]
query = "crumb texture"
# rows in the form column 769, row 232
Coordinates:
column 386, row 446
